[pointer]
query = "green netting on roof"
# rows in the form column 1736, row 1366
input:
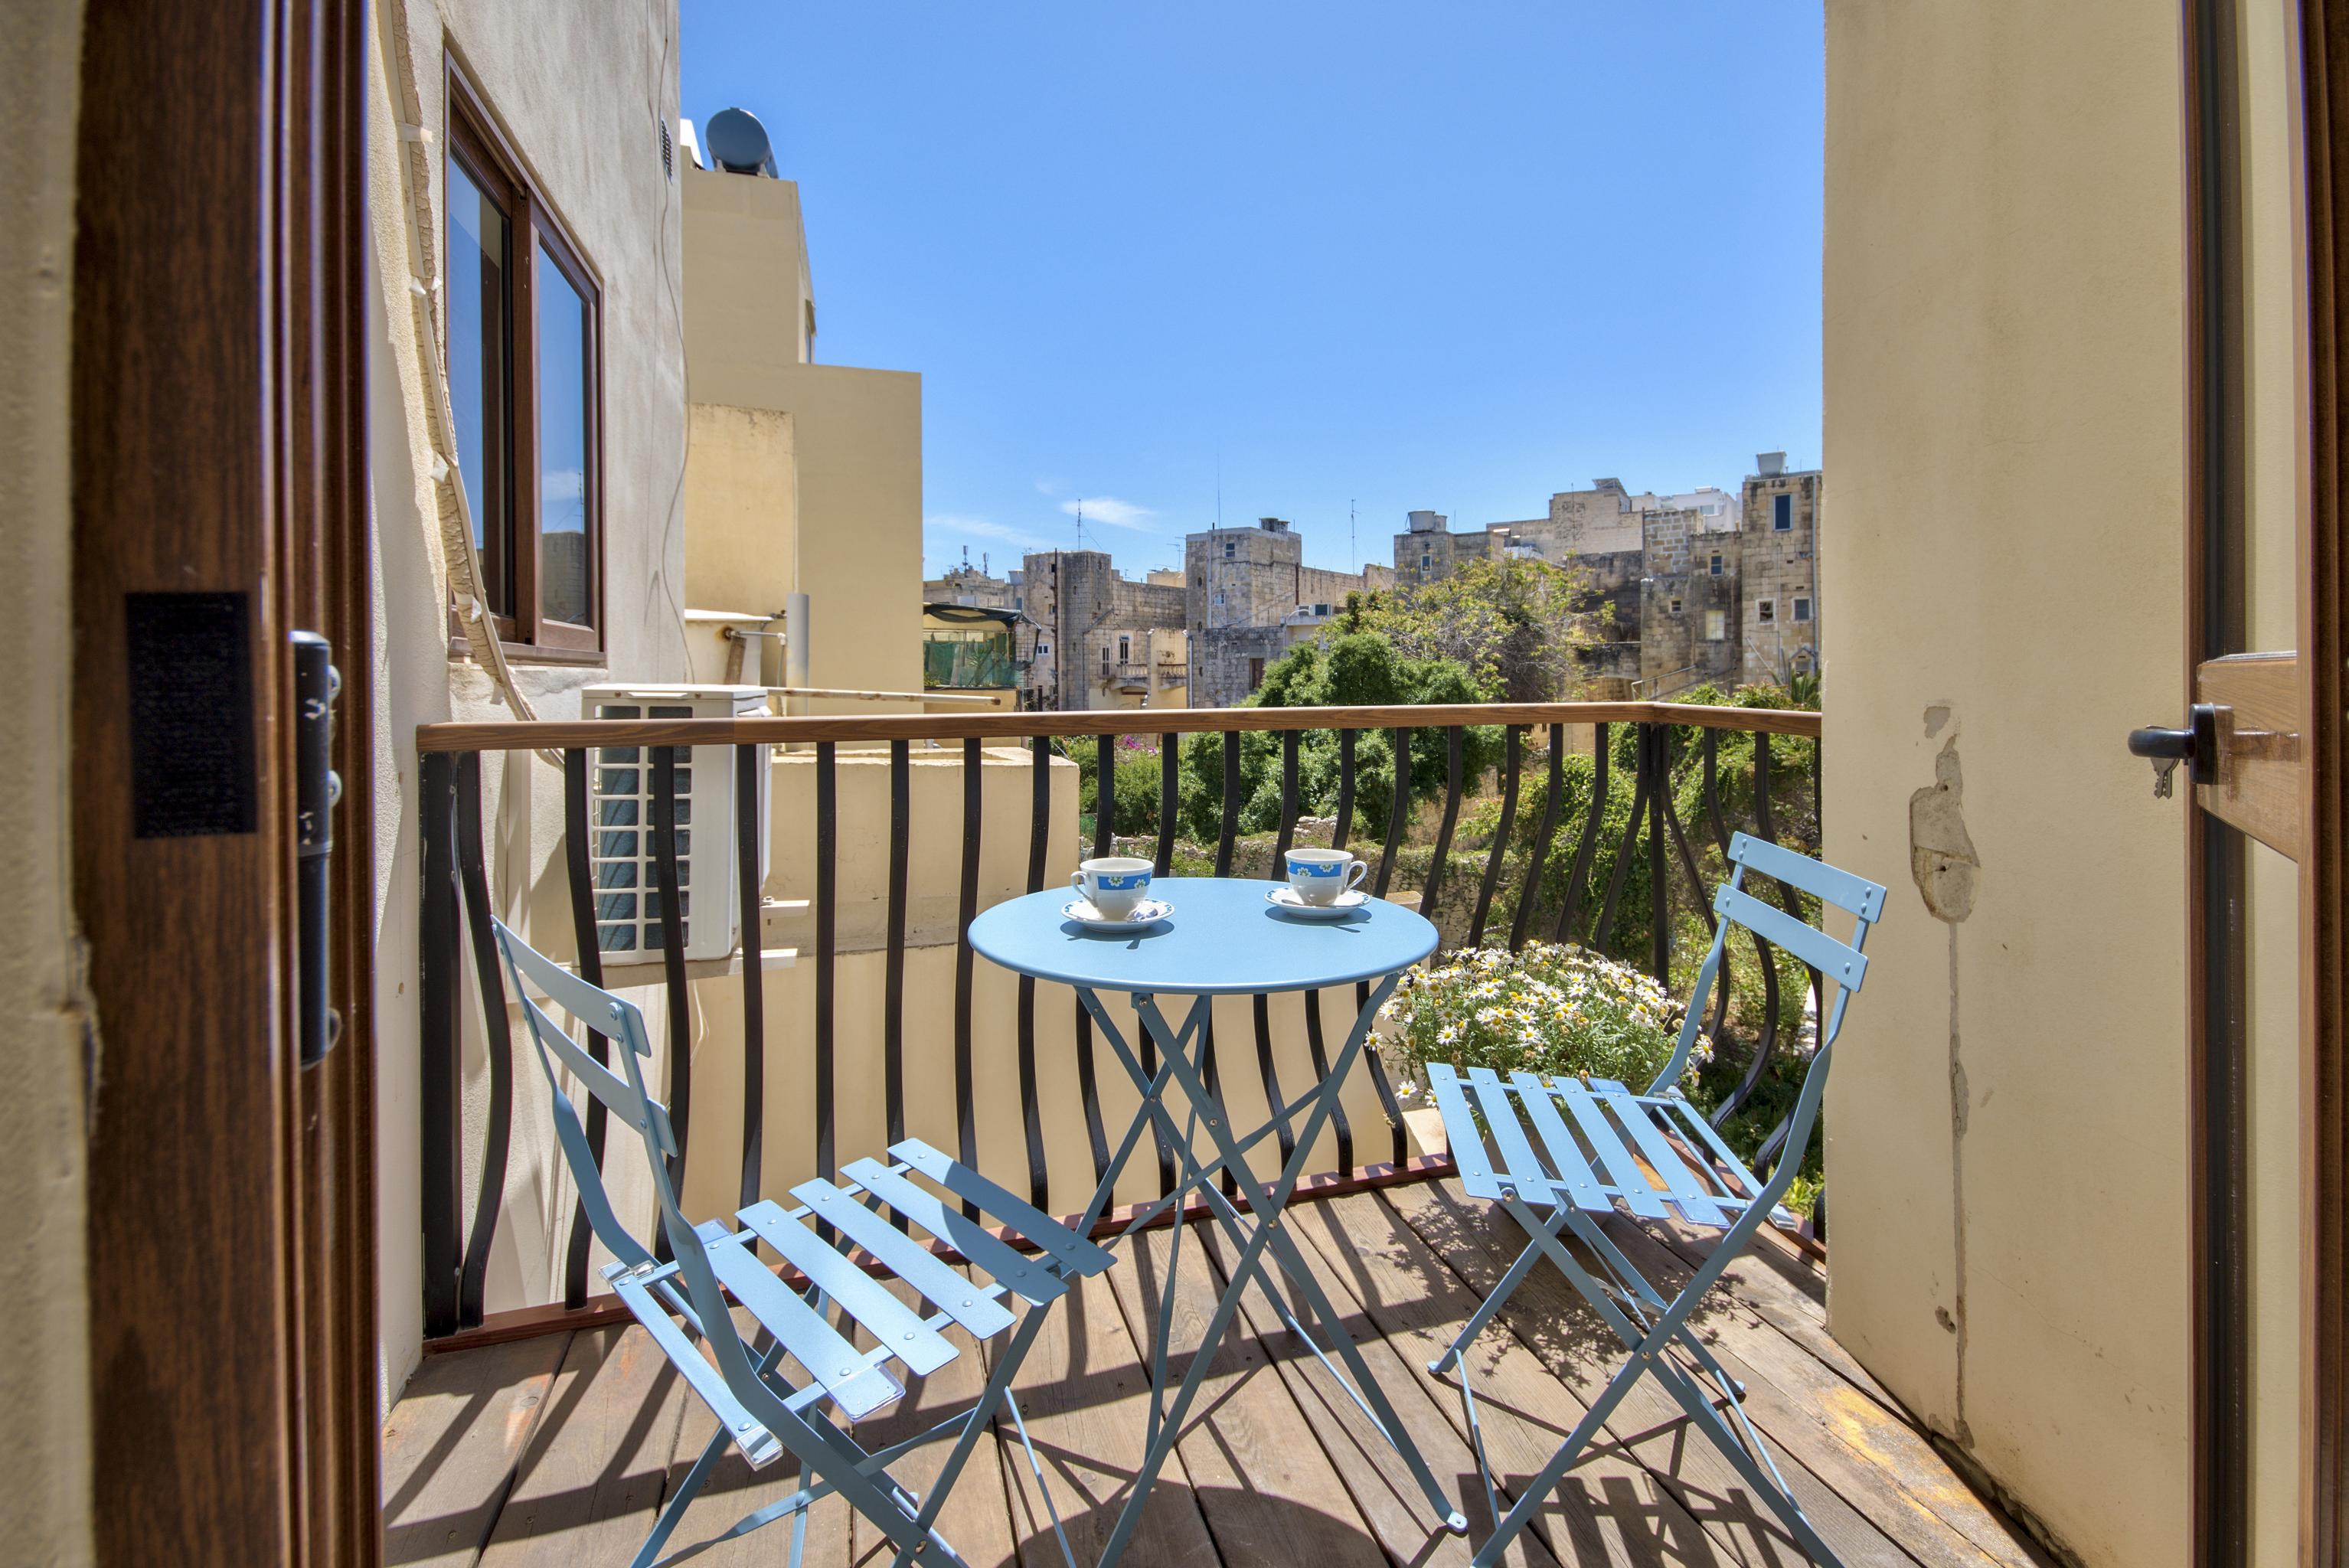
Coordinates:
column 967, row 661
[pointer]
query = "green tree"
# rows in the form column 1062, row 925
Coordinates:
column 1339, row 669
column 1516, row 625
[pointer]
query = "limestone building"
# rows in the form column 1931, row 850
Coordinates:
column 1250, row 597
column 1780, row 624
column 1100, row 638
column 1700, row 586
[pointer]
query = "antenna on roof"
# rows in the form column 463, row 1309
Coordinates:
column 1081, row 523
column 1350, row 534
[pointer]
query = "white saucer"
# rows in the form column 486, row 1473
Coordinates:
column 1148, row 912
column 1284, row 899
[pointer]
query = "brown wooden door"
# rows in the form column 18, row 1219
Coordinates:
column 218, row 506
column 2267, row 124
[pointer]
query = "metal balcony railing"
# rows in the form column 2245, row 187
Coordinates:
column 1669, row 740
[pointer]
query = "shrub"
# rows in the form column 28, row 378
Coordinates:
column 1546, row 1009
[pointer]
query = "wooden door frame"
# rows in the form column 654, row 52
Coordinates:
column 2215, row 605
column 2324, row 876
column 218, row 432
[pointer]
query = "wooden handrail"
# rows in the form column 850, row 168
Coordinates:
column 508, row 736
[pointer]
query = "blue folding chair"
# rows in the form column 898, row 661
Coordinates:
column 1577, row 1149
column 761, row 1408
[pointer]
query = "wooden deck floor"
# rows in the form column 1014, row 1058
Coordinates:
column 560, row 1448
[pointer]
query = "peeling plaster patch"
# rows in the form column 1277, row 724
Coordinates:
column 1940, row 851
column 1943, row 860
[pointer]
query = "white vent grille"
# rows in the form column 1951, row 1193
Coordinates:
column 621, row 858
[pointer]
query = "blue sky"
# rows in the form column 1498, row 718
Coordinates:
column 1399, row 256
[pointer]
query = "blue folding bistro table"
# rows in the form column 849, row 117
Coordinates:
column 1222, row 940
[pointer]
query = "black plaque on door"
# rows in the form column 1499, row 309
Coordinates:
column 191, row 744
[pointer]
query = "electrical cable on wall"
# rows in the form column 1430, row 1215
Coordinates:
column 452, row 508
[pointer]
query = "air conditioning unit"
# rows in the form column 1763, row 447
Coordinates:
column 620, row 819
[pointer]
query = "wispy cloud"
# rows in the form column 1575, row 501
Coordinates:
column 1108, row 509
column 1050, row 487
column 982, row 528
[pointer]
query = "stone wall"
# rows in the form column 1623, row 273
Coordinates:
column 1782, row 578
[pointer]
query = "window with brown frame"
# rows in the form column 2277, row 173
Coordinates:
column 524, row 327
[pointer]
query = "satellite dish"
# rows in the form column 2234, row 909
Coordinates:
column 738, row 143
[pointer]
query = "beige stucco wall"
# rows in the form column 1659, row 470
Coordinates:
column 856, row 437
column 44, row 1377
column 853, row 446
column 746, row 269
column 579, row 102
column 2004, row 370
column 741, row 507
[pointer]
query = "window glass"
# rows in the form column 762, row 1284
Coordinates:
column 1782, row 513
column 1802, row 609
column 1716, row 626
column 1769, row 609
column 566, row 403
column 480, row 372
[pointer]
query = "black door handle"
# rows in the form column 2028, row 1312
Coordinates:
column 2197, row 745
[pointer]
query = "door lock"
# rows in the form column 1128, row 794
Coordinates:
column 2197, row 745
column 316, row 787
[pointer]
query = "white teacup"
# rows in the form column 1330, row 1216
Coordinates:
column 1319, row 876
column 1113, row 884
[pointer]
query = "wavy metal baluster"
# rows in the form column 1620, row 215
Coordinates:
column 1766, row 1038
column 1542, row 836
column 827, row 952
column 1593, row 816
column 1210, row 1070
column 1315, row 1043
column 1262, row 1008
column 748, row 762
column 1500, row 836
column 591, row 969
column 1229, row 828
column 1170, row 799
column 1398, row 821
column 440, row 1077
column 497, row 1130
column 1104, row 842
column 1170, row 802
column 672, row 925
column 1455, row 764
column 1398, row 815
column 1624, row 851
column 893, row 986
column 1345, row 822
column 966, row 910
column 1040, row 827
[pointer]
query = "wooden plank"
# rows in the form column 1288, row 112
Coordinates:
column 2259, row 781
column 593, row 1477
column 1478, row 1241
column 1883, row 1464
column 735, row 1488
column 1786, row 1292
column 508, row 736
column 1268, row 1491
column 1082, row 1389
column 1374, row 1477
column 450, row 1445
column 1609, row 1509
column 977, row 1517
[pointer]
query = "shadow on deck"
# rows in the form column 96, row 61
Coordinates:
column 561, row 1449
